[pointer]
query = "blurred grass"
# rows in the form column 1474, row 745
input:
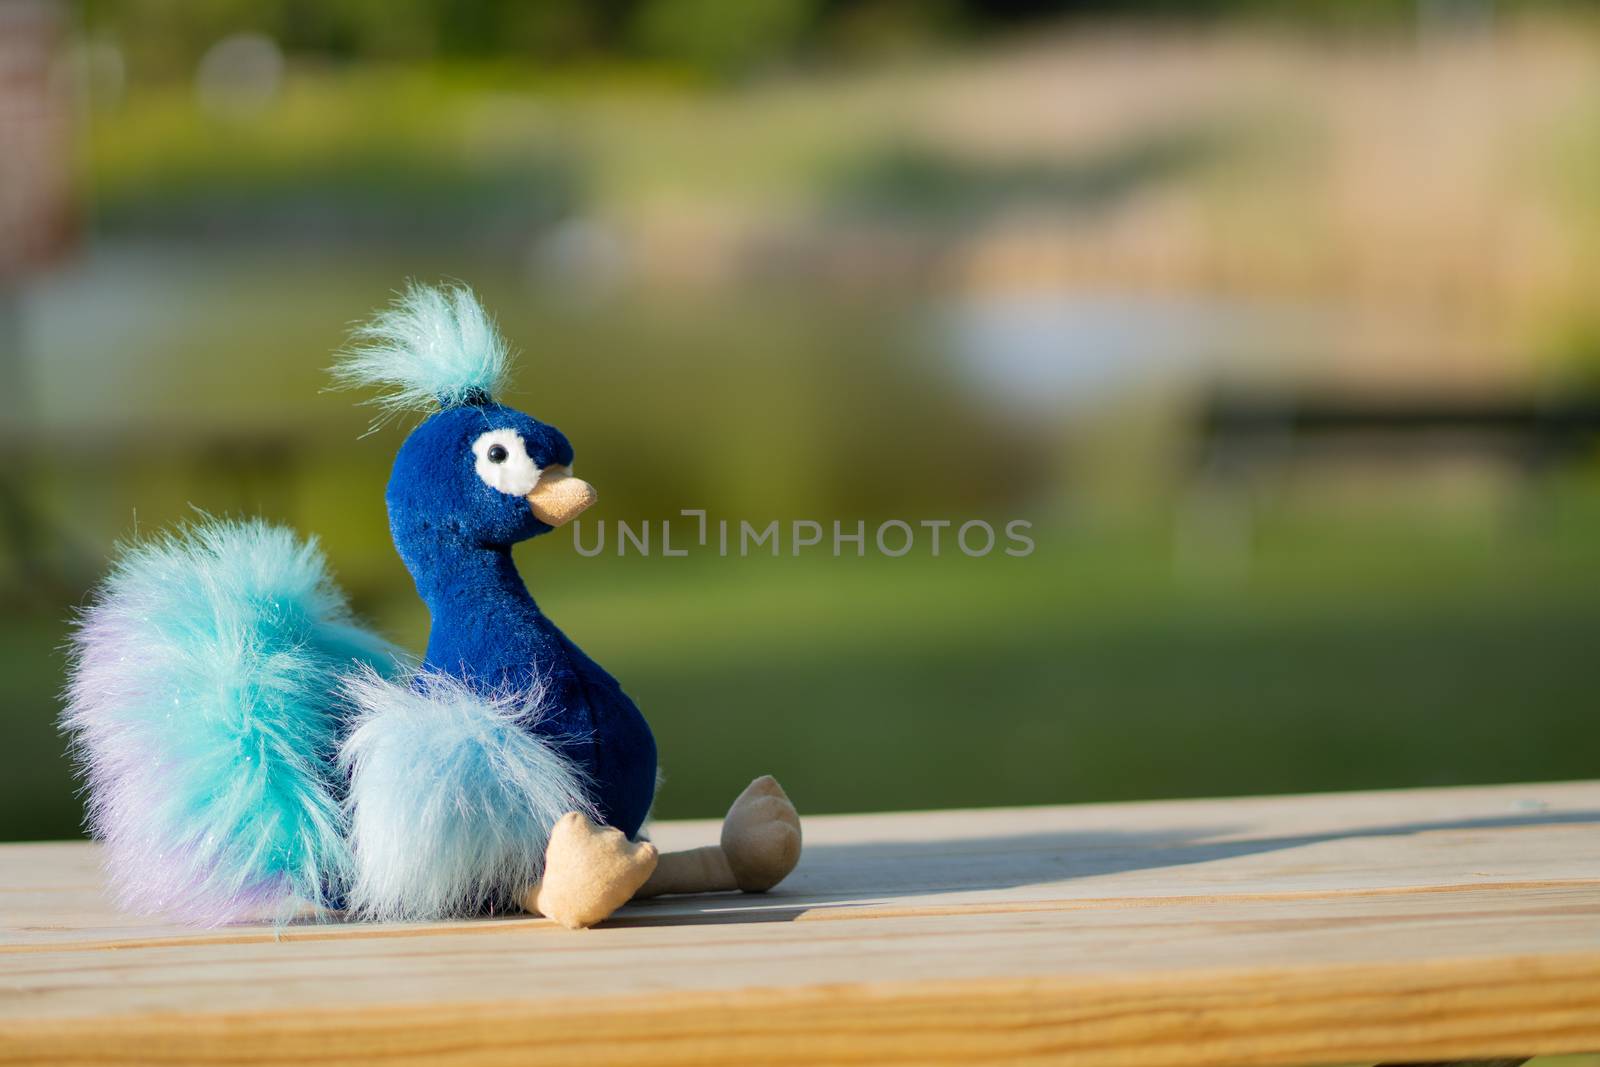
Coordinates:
column 1399, row 654
column 1091, row 672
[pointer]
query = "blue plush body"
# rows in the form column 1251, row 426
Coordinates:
column 250, row 749
column 455, row 539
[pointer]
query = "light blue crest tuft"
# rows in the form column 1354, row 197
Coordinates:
column 432, row 346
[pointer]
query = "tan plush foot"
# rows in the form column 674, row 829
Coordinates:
column 589, row 872
column 761, row 836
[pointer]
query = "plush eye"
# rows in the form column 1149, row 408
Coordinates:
column 501, row 460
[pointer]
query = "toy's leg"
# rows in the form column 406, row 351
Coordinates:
column 695, row 870
column 760, row 846
column 589, row 872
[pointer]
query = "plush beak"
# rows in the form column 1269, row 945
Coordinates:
column 559, row 497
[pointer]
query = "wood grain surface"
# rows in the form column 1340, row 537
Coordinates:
column 1396, row 926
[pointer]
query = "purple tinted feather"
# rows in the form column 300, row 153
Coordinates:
column 204, row 710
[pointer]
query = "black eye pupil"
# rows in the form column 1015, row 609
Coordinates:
column 498, row 453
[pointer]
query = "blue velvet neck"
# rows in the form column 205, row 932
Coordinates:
column 486, row 629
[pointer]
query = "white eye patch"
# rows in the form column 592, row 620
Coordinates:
column 503, row 463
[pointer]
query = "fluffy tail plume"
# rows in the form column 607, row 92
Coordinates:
column 205, row 707
column 452, row 797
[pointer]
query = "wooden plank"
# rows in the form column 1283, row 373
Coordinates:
column 1402, row 926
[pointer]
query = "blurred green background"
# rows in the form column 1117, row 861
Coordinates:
column 1277, row 321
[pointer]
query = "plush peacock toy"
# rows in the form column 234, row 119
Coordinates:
column 251, row 751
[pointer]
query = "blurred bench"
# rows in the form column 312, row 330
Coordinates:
column 1443, row 924
column 1238, row 432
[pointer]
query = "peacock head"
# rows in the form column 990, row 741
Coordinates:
column 474, row 473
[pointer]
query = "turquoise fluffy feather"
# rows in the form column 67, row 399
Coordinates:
column 205, row 706
column 452, row 796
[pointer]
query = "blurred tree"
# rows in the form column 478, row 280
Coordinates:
column 556, row 29
column 721, row 35
column 164, row 38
